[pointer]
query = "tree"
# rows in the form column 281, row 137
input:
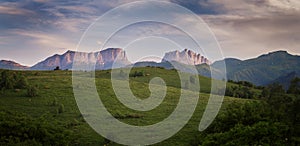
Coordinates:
column 239, row 92
column 272, row 89
column 57, row 68
column 294, row 86
column 7, row 80
column 137, row 74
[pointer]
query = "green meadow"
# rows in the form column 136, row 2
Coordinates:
column 53, row 118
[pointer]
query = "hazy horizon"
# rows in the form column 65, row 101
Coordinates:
column 149, row 59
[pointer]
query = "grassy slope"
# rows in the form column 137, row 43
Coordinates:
column 58, row 86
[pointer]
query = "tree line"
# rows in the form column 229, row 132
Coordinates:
column 15, row 80
column 272, row 120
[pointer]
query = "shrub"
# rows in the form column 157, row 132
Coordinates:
column 20, row 129
column 32, row 91
column 239, row 92
column 12, row 80
column 61, row 108
column 57, row 68
column 137, row 74
column 20, row 81
column 7, row 80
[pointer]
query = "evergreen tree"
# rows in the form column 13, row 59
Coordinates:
column 294, row 86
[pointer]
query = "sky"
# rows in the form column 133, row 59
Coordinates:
column 31, row 31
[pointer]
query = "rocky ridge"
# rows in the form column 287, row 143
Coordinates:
column 186, row 57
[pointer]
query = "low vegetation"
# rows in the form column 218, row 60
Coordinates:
column 251, row 116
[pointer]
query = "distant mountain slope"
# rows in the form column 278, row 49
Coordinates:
column 202, row 69
column 285, row 80
column 5, row 64
column 264, row 69
column 102, row 60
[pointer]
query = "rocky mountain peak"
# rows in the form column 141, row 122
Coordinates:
column 102, row 60
column 186, row 57
column 70, row 51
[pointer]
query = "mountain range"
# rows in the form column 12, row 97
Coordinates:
column 279, row 66
column 102, row 60
column 262, row 70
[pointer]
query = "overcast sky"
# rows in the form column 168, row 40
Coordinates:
column 30, row 31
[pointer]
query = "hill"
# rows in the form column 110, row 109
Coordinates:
column 53, row 118
column 5, row 64
column 55, row 89
column 264, row 69
column 285, row 80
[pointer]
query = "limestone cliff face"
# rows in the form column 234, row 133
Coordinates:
column 102, row 60
column 109, row 58
column 114, row 54
column 186, row 57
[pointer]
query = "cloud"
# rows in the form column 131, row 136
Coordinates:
column 244, row 28
column 41, row 1
column 286, row 5
column 3, row 40
column 247, row 29
column 14, row 11
column 42, row 39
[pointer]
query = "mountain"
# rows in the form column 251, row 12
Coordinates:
column 279, row 66
column 202, row 69
column 102, row 60
column 5, row 64
column 285, row 80
column 263, row 69
column 105, row 59
column 186, row 57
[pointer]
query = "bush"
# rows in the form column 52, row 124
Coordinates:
column 271, row 90
column 7, row 80
column 61, row 108
column 137, row 74
column 20, row 129
column 57, row 68
column 32, row 91
column 21, row 81
column 12, row 80
column 240, row 92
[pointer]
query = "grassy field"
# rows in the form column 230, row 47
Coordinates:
column 55, row 89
